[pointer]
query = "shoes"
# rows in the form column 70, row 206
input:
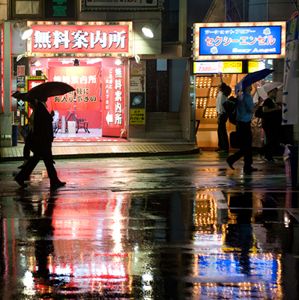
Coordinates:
column 218, row 150
column 230, row 164
column 249, row 170
column 21, row 182
column 57, row 185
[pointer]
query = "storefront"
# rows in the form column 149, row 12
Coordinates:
column 229, row 51
column 97, row 60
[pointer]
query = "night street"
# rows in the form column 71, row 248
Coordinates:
column 167, row 227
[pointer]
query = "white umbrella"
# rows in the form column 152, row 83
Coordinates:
column 264, row 89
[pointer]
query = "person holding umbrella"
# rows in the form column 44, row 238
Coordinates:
column 42, row 135
column 245, row 111
column 271, row 120
column 41, row 145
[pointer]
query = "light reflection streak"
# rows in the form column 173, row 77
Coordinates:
column 217, row 269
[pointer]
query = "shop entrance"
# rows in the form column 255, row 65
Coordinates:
column 96, row 108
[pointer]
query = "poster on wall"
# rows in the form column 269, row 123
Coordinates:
column 85, row 81
column 137, row 84
column 138, row 68
column 137, row 108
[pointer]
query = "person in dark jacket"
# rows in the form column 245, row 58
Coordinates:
column 271, row 123
column 41, row 146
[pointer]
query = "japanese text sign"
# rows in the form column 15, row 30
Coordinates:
column 242, row 40
column 81, row 40
column 113, row 95
column 86, row 83
column 214, row 67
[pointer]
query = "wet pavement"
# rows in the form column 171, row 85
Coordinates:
column 183, row 227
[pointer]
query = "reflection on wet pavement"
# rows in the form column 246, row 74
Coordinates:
column 149, row 245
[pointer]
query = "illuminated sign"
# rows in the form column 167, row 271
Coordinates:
column 86, row 83
column 137, row 108
column 239, row 40
column 113, row 96
column 202, row 67
column 254, row 66
column 81, row 39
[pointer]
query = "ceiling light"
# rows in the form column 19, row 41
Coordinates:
column 25, row 31
column 137, row 59
column 148, row 31
column 20, row 56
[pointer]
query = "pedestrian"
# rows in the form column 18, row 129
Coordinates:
column 223, row 92
column 245, row 111
column 41, row 146
column 26, row 150
column 271, row 123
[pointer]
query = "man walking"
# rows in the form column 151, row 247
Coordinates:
column 245, row 111
column 41, row 146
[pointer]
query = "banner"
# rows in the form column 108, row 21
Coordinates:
column 113, row 98
column 85, row 81
column 290, row 87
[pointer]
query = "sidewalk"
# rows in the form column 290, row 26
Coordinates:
column 106, row 149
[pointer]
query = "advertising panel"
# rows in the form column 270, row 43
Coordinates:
column 113, row 98
column 239, row 40
column 84, row 80
column 92, row 38
column 215, row 67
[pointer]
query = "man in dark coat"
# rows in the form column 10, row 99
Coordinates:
column 41, row 146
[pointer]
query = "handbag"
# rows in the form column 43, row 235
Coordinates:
column 25, row 131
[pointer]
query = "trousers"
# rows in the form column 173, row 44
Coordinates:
column 44, row 154
column 244, row 129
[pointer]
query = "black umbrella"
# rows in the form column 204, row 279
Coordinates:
column 19, row 95
column 48, row 89
column 250, row 79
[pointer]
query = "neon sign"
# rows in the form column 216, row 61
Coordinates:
column 81, row 39
column 240, row 40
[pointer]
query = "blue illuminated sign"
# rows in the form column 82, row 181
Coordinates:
column 247, row 40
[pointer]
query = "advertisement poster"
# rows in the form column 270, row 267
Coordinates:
column 138, row 68
column 137, row 108
column 86, row 83
column 137, row 84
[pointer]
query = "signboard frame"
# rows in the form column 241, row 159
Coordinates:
column 120, row 5
column 78, row 41
column 222, row 26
